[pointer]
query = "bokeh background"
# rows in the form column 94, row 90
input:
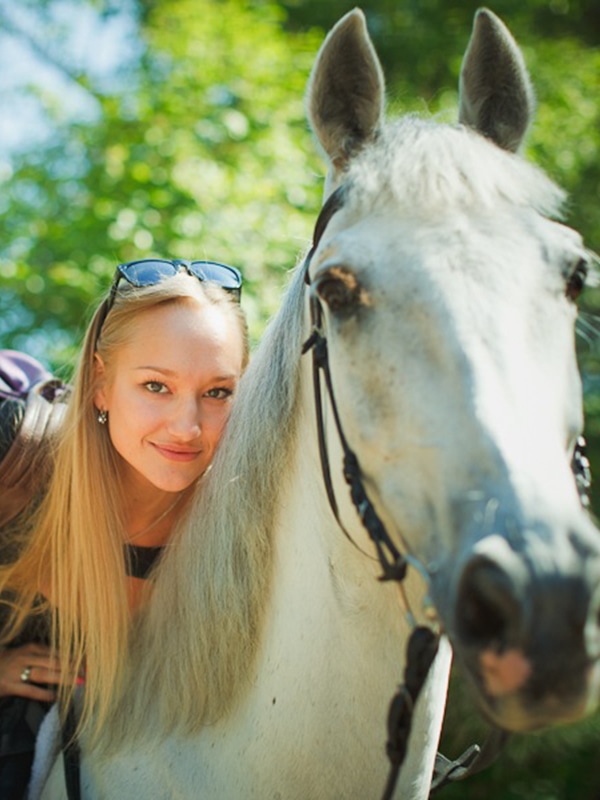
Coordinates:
column 134, row 128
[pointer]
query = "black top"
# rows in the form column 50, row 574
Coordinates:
column 139, row 561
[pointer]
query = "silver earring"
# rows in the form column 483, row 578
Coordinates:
column 102, row 417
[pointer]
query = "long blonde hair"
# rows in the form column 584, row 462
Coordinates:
column 71, row 552
column 195, row 645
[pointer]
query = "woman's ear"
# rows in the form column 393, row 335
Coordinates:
column 100, row 399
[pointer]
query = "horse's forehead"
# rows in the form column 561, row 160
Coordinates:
column 509, row 250
column 424, row 188
column 479, row 300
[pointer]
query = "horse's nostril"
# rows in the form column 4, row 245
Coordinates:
column 486, row 605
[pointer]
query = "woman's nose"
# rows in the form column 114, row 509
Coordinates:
column 185, row 421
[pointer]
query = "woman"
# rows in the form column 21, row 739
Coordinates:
column 151, row 396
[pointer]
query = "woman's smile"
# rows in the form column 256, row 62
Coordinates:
column 176, row 453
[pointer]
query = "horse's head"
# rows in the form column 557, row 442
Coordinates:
column 448, row 296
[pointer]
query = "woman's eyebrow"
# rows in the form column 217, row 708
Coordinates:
column 162, row 370
column 171, row 372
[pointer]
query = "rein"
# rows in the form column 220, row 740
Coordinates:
column 423, row 642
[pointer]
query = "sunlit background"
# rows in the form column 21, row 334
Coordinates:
column 131, row 128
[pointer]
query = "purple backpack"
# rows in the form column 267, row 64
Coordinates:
column 32, row 403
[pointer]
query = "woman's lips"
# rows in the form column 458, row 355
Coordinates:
column 176, row 454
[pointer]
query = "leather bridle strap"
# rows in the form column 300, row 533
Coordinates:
column 393, row 563
column 421, row 651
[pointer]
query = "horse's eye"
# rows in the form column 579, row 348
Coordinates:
column 335, row 293
column 339, row 289
column 577, row 278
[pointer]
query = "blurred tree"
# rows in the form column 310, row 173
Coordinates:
column 202, row 152
column 201, row 146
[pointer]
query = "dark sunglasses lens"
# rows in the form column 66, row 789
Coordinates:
column 148, row 272
column 227, row 277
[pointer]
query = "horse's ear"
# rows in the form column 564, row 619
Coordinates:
column 346, row 91
column 496, row 96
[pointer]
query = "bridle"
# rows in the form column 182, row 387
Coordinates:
column 423, row 643
column 393, row 563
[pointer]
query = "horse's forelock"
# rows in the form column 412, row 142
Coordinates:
column 423, row 165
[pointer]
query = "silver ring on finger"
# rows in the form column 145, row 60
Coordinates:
column 26, row 674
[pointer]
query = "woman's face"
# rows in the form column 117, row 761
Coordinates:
column 169, row 391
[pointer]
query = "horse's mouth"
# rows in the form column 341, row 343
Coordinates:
column 516, row 714
column 520, row 694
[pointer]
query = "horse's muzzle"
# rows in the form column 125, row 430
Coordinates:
column 525, row 626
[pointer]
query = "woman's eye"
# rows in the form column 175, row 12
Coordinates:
column 219, row 393
column 155, row 387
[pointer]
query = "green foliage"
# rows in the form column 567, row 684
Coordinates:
column 205, row 154
column 204, row 150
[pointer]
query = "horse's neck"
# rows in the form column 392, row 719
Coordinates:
column 323, row 584
column 335, row 638
column 309, row 534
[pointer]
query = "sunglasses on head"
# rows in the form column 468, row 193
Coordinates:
column 150, row 271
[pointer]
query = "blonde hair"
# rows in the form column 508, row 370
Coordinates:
column 195, row 644
column 72, row 550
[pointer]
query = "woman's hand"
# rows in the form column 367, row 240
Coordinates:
column 34, row 662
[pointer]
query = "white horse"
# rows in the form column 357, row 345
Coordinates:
column 266, row 660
